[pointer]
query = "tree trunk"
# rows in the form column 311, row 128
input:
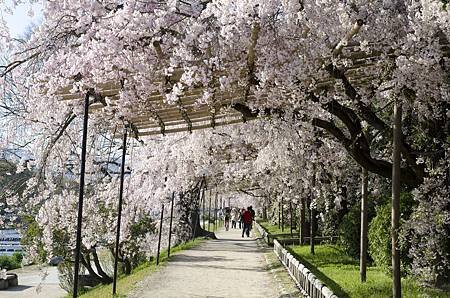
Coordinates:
column 99, row 268
column 302, row 221
column 198, row 231
column 85, row 260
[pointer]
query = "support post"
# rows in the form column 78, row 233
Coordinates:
column 215, row 213
column 203, row 213
column 170, row 225
column 282, row 215
column 396, row 281
column 160, row 233
column 209, row 211
column 290, row 215
column 119, row 212
column 279, row 214
column 81, row 195
column 363, row 240
column 312, row 212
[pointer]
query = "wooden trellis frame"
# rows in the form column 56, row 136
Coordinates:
column 156, row 116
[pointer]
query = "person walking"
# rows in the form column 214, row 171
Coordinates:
column 227, row 219
column 252, row 212
column 241, row 212
column 247, row 219
column 234, row 217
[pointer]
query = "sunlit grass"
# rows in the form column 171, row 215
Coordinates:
column 341, row 274
column 274, row 229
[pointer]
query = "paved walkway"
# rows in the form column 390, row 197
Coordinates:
column 35, row 282
column 231, row 266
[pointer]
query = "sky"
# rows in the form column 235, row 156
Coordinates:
column 20, row 20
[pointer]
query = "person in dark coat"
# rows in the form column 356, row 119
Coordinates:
column 247, row 218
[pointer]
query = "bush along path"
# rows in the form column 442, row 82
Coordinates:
column 230, row 266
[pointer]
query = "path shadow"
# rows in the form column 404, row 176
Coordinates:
column 18, row 288
column 226, row 268
column 185, row 258
column 236, row 239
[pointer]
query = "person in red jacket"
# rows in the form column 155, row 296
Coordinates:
column 247, row 218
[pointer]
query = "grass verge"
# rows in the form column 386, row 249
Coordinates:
column 274, row 229
column 341, row 274
column 126, row 283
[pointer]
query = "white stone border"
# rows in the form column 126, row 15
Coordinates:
column 307, row 281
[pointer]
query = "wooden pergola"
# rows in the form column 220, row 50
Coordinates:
column 155, row 115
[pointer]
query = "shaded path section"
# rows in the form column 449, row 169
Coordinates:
column 231, row 266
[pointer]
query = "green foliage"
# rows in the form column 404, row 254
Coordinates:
column 17, row 257
column 380, row 234
column 65, row 276
column 350, row 228
column 32, row 237
column 11, row 262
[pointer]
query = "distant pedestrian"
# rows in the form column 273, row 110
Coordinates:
column 240, row 212
column 234, row 217
column 252, row 212
column 227, row 219
column 247, row 219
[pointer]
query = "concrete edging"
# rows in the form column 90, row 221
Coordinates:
column 305, row 279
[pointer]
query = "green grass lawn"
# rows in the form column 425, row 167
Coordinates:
column 126, row 283
column 341, row 274
column 274, row 229
column 212, row 228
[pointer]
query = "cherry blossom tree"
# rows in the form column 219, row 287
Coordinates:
column 331, row 71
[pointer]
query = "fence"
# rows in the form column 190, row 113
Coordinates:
column 305, row 279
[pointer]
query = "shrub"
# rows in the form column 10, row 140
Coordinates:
column 428, row 230
column 380, row 234
column 11, row 262
column 350, row 228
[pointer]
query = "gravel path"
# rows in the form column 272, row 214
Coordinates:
column 231, row 266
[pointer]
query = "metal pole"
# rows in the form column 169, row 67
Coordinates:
column 81, row 195
column 209, row 211
column 160, row 233
column 119, row 212
column 290, row 214
column 203, row 213
column 312, row 212
column 215, row 213
column 279, row 214
column 363, row 248
column 396, row 281
column 282, row 215
column 170, row 225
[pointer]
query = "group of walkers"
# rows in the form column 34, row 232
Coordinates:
column 243, row 217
